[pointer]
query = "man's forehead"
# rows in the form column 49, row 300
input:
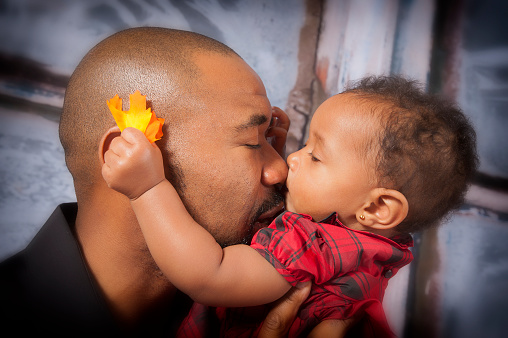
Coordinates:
column 234, row 92
column 245, row 110
column 228, row 73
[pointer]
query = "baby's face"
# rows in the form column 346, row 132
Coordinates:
column 331, row 173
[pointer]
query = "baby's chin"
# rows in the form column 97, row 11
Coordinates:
column 288, row 206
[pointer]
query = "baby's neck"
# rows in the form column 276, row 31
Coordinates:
column 388, row 233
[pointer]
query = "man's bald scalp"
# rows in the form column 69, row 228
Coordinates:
column 155, row 61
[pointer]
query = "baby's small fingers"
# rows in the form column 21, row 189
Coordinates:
column 119, row 146
column 134, row 136
column 106, row 174
column 110, row 158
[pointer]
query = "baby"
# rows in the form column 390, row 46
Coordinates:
column 383, row 159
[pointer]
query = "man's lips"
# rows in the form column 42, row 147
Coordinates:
column 267, row 217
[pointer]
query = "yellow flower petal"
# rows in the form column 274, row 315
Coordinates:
column 154, row 129
column 138, row 116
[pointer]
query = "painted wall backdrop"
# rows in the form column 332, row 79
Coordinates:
column 304, row 51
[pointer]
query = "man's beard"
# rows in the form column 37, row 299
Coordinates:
column 175, row 176
column 274, row 200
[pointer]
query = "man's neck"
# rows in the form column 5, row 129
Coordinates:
column 118, row 258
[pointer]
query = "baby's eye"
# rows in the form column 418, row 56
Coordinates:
column 313, row 158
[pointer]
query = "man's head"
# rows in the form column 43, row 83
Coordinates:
column 215, row 108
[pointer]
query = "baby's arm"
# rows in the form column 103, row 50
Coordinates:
column 185, row 252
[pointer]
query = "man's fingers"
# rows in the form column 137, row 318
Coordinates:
column 279, row 319
column 282, row 118
column 278, row 140
column 277, row 133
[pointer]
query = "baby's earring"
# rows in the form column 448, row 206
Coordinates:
column 362, row 217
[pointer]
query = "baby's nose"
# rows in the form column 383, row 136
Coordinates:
column 293, row 161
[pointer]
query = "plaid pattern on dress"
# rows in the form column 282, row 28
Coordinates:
column 349, row 269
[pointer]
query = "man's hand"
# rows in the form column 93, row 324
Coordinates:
column 132, row 165
column 278, row 130
column 281, row 317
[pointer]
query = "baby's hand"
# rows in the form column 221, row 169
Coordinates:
column 278, row 130
column 132, row 165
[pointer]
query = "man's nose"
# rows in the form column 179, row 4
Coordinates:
column 275, row 169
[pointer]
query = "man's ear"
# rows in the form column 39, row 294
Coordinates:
column 387, row 209
column 106, row 139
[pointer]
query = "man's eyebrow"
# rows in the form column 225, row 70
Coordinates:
column 254, row 121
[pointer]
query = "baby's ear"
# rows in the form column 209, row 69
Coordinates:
column 106, row 139
column 387, row 209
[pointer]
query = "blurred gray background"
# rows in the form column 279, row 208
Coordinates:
column 304, row 51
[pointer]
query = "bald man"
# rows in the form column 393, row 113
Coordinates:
column 88, row 271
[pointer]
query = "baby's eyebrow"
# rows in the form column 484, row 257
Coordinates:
column 322, row 142
column 255, row 120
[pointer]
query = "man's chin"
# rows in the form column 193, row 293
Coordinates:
column 265, row 214
column 267, row 218
column 260, row 225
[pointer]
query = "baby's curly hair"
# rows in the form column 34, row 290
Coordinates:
column 427, row 148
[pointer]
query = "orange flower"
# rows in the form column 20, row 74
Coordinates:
column 137, row 116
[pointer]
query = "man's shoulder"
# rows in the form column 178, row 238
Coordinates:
column 34, row 269
column 56, row 224
column 48, row 282
column 55, row 233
